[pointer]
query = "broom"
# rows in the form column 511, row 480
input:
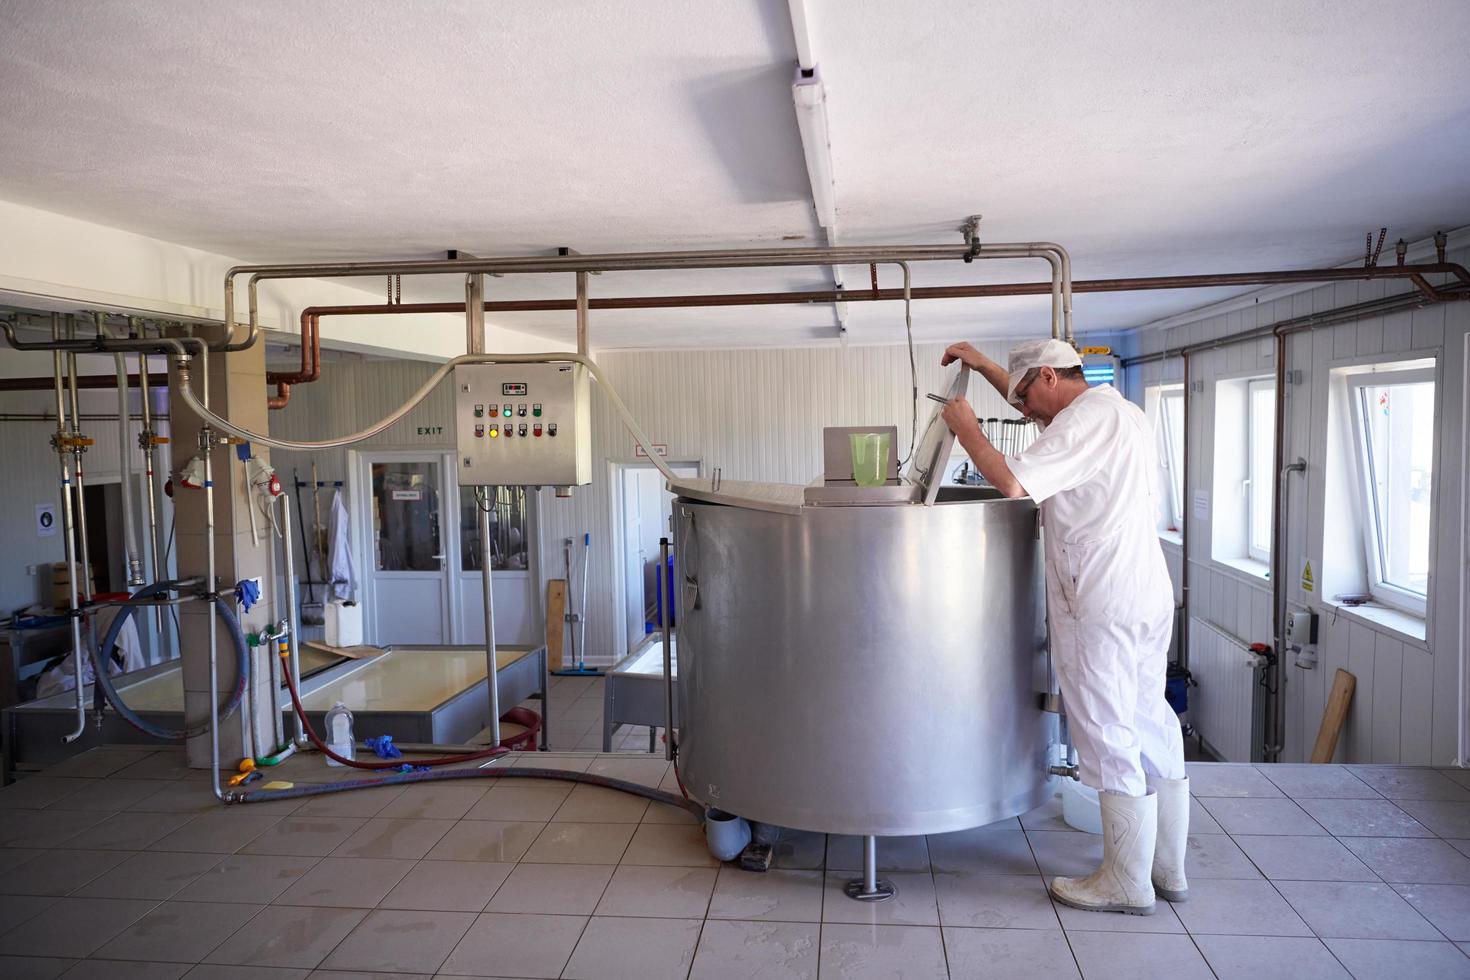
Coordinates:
column 312, row 611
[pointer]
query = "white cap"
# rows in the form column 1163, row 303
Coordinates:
column 1036, row 354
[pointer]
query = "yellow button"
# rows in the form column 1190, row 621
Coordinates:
column 494, row 432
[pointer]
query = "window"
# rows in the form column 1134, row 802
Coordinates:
column 1260, row 462
column 508, row 528
column 1393, row 429
column 1166, row 404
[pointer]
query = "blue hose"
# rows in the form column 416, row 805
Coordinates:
column 104, row 678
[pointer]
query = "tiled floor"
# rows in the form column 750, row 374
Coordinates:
column 118, row 864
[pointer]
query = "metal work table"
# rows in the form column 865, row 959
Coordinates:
column 633, row 691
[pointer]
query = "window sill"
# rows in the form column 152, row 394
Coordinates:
column 1247, row 566
column 1386, row 618
column 1171, row 538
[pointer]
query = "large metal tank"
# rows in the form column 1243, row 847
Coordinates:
column 871, row 670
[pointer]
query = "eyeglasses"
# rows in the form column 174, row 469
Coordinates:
column 1024, row 387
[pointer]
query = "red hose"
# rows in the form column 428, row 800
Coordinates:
column 448, row 760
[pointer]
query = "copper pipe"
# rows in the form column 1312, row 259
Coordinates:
column 311, row 363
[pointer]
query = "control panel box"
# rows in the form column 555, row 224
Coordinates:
column 527, row 425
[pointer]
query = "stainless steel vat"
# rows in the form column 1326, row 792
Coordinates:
column 870, row 670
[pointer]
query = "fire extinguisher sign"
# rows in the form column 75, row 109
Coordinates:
column 45, row 520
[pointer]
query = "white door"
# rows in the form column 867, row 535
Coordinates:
column 641, row 512
column 634, row 558
column 408, row 585
column 518, row 615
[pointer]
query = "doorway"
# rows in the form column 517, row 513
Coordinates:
column 642, row 512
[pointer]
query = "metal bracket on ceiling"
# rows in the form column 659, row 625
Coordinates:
column 463, row 256
column 971, row 230
column 566, row 250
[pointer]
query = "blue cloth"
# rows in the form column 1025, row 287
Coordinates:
column 247, row 594
column 383, row 747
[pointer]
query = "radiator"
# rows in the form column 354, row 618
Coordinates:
column 1228, row 708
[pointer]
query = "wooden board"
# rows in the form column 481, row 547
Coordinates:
column 1338, row 702
column 351, row 653
column 556, row 612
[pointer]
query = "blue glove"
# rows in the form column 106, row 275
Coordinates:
column 383, row 747
column 247, row 594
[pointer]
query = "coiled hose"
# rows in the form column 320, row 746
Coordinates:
column 104, row 678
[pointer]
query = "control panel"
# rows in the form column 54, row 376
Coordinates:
column 523, row 424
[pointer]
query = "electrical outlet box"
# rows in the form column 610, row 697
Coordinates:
column 1301, row 628
column 527, row 425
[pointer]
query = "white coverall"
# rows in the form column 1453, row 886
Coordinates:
column 1109, row 600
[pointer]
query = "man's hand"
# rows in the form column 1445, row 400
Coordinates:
column 960, row 418
column 962, row 351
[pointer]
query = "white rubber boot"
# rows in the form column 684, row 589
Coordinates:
column 1173, row 838
column 1122, row 884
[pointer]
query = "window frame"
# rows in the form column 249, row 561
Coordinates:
column 1370, row 521
column 1253, row 385
column 1173, row 473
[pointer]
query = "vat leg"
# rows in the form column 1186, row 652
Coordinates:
column 870, row 888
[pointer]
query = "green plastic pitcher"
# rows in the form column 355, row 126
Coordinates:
column 870, row 458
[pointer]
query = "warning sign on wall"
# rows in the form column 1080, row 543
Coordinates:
column 45, row 520
column 1309, row 582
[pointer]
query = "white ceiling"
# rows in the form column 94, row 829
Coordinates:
column 1149, row 137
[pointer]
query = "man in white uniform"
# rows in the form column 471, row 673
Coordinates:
column 1109, row 604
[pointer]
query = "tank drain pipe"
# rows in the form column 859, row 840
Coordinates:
column 79, row 446
column 134, row 563
column 870, row 888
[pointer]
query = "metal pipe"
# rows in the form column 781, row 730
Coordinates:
column 581, row 301
column 292, row 620
column 1184, row 518
column 487, row 584
column 663, row 624
column 69, row 539
column 207, row 443
column 132, row 559
column 83, row 543
column 150, row 491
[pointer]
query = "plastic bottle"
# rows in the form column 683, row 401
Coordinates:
column 339, row 733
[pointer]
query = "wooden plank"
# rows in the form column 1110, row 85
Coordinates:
column 556, row 609
column 1337, row 709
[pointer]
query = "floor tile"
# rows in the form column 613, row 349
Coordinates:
column 401, row 941
column 1200, row 821
column 1120, row 956
column 668, row 813
column 854, row 952
column 1405, row 783
column 445, row 801
column 302, row 836
column 596, row 804
column 103, row 969
column 39, row 792
column 731, row 950
column 247, row 878
column 151, row 875
column 567, row 762
column 100, row 762
column 346, row 882
column 648, row 772
column 1227, row 780
column 1419, row 860
column 1229, row 907
column 1364, row 818
column 179, row 932
column 54, row 931
column 448, row 886
column 914, row 905
column 190, row 795
column 1447, row 819
column 613, row 948
column 361, row 803
column 523, row 800
column 222, row 971
column 1261, row 816
column 288, row 936
column 662, row 893
column 681, row 845
column 1009, row 954
column 1216, row 856
column 1065, row 854
column 776, row 895
column 1260, row 957
column 128, row 831
column 110, row 795
column 15, row 909
column 981, row 851
column 1397, row 959
column 845, row 853
column 552, row 889
column 217, row 832
column 48, row 828
column 33, row 967
column 515, row 945
column 1356, row 910
column 1318, row 782
column 164, row 764
column 11, row 857
column 1304, row 859
column 386, row 837
column 58, row 872
column 1447, row 907
column 986, row 901
column 499, row 841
